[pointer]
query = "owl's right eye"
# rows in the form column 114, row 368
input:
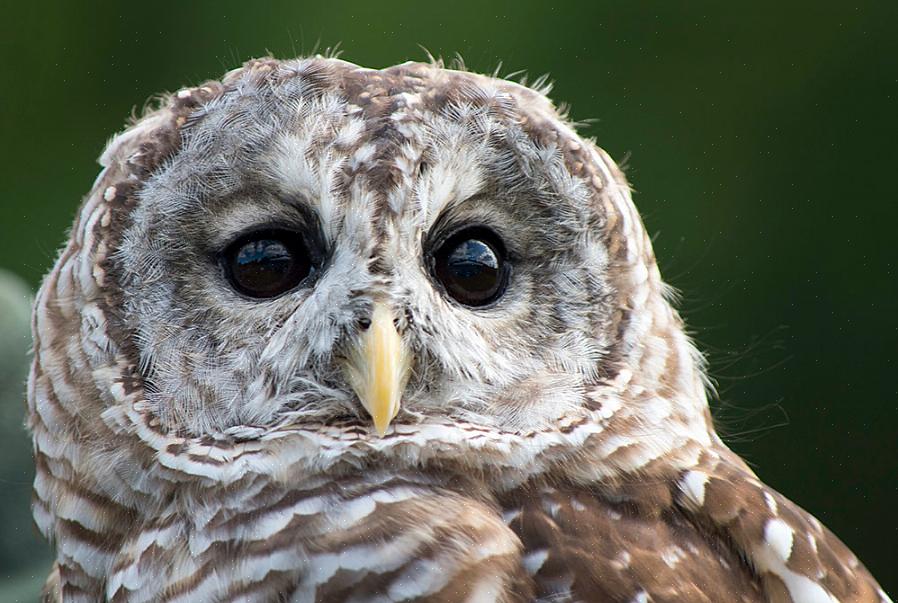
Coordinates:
column 267, row 263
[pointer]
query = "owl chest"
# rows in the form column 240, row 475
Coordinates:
column 335, row 542
column 400, row 540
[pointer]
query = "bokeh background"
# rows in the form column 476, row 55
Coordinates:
column 761, row 142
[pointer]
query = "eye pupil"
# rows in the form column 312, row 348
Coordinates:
column 268, row 263
column 471, row 266
column 474, row 264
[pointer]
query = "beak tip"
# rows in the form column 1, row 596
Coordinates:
column 381, row 425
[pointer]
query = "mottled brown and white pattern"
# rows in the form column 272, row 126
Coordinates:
column 195, row 445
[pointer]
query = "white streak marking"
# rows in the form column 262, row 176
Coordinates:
column 779, row 536
column 534, row 561
column 510, row 515
column 621, row 561
column 771, row 503
column 672, row 555
column 693, row 486
column 768, row 559
column 486, row 591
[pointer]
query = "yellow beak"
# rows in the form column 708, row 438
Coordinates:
column 377, row 368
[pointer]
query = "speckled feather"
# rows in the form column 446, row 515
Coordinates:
column 556, row 447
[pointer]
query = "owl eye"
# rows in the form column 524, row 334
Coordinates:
column 471, row 266
column 267, row 263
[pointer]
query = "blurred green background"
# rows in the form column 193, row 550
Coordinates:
column 762, row 144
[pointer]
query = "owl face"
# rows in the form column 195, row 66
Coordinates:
column 308, row 257
column 309, row 266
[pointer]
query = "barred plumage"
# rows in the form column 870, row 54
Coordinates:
column 556, row 444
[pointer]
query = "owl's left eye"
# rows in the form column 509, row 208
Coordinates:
column 471, row 266
column 267, row 263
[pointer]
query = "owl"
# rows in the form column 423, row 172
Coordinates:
column 328, row 333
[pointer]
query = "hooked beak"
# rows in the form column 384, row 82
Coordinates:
column 377, row 367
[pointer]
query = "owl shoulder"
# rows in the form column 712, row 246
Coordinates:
column 713, row 533
column 626, row 542
column 795, row 557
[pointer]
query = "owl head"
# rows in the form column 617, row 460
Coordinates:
column 313, row 263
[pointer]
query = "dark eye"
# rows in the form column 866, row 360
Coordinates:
column 267, row 263
column 471, row 266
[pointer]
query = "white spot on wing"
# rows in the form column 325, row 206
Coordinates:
column 693, row 486
column 771, row 502
column 621, row 561
column 534, row 561
column 641, row 597
column 769, row 557
column 672, row 555
column 486, row 591
column 510, row 515
column 779, row 536
column 552, row 508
